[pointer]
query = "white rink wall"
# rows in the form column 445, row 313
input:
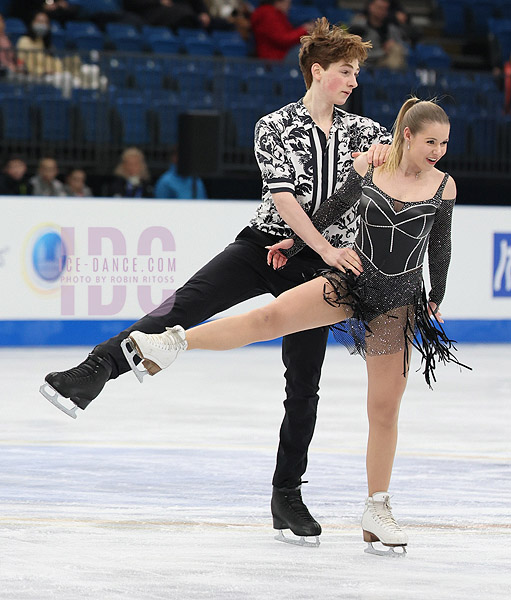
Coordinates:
column 77, row 270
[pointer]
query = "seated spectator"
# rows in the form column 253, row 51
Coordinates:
column 236, row 13
column 131, row 176
column 76, row 184
column 388, row 39
column 401, row 18
column 59, row 10
column 45, row 183
column 173, row 185
column 274, row 35
column 167, row 13
column 14, row 180
column 36, row 52
column 8, row 60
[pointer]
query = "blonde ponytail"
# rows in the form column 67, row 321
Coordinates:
column 414, row 114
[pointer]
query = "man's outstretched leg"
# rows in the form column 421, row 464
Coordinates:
column 234, row 275
column 303, row 354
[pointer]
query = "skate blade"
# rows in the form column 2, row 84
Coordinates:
column 130, row 351
column 46, row 390
column 298, row 541
column 390, row 551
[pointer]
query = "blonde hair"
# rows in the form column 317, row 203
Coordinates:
column 328, row 44
column 133, row 151
column 414, row 114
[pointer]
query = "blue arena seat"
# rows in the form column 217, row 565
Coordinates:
column 132, row 114
column 84, row 35
column 260, row 84
column 459, row 134
column 430, row 56
column 125, row 37
column 149, row 31
column 478, row 14
column 484, row 135
column 244, row 116
column 58, row 36
column 339, row 15
column 93, row 117
column 148, row 75
column 55, row 118
column 198, row 46
column 164, row 113
column 382, row 112
column 454, row 15
column 231, row 47
column 94, row 7
column 164, row 45
column 81, row 27
column 16, row 117
column 160, row 39
column 190, row 33
column 299, row 14
column 290, row 85
column 115, row 70
column 191, row 81
column 14, row 28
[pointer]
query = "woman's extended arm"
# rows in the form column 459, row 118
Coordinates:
column 439, row 245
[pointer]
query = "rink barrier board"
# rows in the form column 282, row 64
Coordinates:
column 90, row 333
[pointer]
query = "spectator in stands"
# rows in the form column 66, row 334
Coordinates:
column 45, row 183
column 14, row 180
column 234, row 12
column 36, row 52
column 131, row 176
column 76, row 184
column 59, row 10
column 173, row 185
column 170, row 13
column 388, row 38
column 34, row 49
column 400, row 17
column 8, row 61
column 274, row 35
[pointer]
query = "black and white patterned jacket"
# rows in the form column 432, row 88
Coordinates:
column 295, row 156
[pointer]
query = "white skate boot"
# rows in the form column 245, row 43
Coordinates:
column 157, row 350
column 379, row 525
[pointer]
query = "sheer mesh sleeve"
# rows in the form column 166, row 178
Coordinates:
column 439, row 250
column 333, row 208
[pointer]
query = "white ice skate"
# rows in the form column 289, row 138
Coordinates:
column 379, row 525
column 157, row 350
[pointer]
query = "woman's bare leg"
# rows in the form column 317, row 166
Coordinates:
column 386, row 385
column 300, row 308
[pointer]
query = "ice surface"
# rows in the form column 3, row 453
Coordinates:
column 162, row 490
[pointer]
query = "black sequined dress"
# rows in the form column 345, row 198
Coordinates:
column 387, row 304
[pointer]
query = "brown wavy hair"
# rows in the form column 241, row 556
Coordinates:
column 327, row 44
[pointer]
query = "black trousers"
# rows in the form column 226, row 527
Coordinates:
column 236, row 274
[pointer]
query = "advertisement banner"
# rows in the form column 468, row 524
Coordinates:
column 67, row 263
column 66, row 258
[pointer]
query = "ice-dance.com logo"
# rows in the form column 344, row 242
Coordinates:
column 502, row 264
column 45, row 258
column 108, row 269
column 99, row 270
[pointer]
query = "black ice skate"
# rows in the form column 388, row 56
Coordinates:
column 289, row 512
column 80, row 384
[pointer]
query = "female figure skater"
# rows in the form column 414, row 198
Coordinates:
column 375, row 301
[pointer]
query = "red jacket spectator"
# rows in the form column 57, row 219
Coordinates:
column 273, row 33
